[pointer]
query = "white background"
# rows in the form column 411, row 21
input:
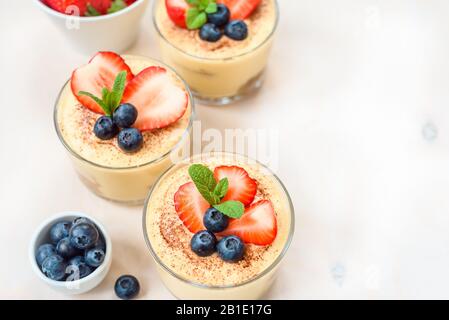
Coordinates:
column 359, row 92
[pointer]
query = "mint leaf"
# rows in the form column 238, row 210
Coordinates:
column 91, row 11
column 222, row 188
column 97, row 100
column 119, row 83
column 203, row 175
column 204, row 180
column 195, row 18
column 211, row 8
column 232, row 209
column 117, row 5
column 197, row 14
column 118, row 89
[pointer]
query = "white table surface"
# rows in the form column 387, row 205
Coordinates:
column 358, row 90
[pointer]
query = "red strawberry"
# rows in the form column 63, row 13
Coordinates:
column 98, row 74
column 191, row 206
column 177, row 11
column 101, row 6
column 129, row 2
column 240, row 9
column 61, row 5
column 241, row 187
column 257, row 225
column 159, row 101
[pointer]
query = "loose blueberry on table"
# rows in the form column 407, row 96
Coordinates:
column 213, row 18
column 222, row 202
column 79, row 251
column 127, row 287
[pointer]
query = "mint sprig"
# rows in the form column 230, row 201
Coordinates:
column 110, row 100
column 197, row 13
column 233, row 209
column 214, row 192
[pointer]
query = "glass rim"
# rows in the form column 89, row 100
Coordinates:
column 265, row 272
column 270, row 36
column 185, row 134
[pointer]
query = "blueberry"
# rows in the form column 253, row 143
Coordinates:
column 83, row 235
column 65, row 248
column 210, row 32
column 231, row 249
column 105, row 128
column 215, row 221
column 101, row 243
column 94, row 257
column 236, row 30
column 59, row 231
column 125, row 115
column 127, row 287
column 203, row 243
column 221, row 17
column 130, row 140
column 43, row 252
column 78, row 268
column 54, row 267
column 81, row 219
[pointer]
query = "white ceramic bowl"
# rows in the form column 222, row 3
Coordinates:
column 83, row 285
column 112, row 32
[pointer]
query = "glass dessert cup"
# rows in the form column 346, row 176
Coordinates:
column 218, row 81
column 253, row 288
column 127, row 185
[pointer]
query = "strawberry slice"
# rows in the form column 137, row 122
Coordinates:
column 159, row 101
column 98, row 74
column 241, row 187
column 177, row 11
column 191, row 207
column 257, row 225
column 241, row 9
column 62, row 6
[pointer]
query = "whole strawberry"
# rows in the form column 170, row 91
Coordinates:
column 68, row 6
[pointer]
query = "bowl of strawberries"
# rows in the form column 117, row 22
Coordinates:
column 92, row 25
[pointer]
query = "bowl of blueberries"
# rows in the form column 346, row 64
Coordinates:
column 71, row 252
